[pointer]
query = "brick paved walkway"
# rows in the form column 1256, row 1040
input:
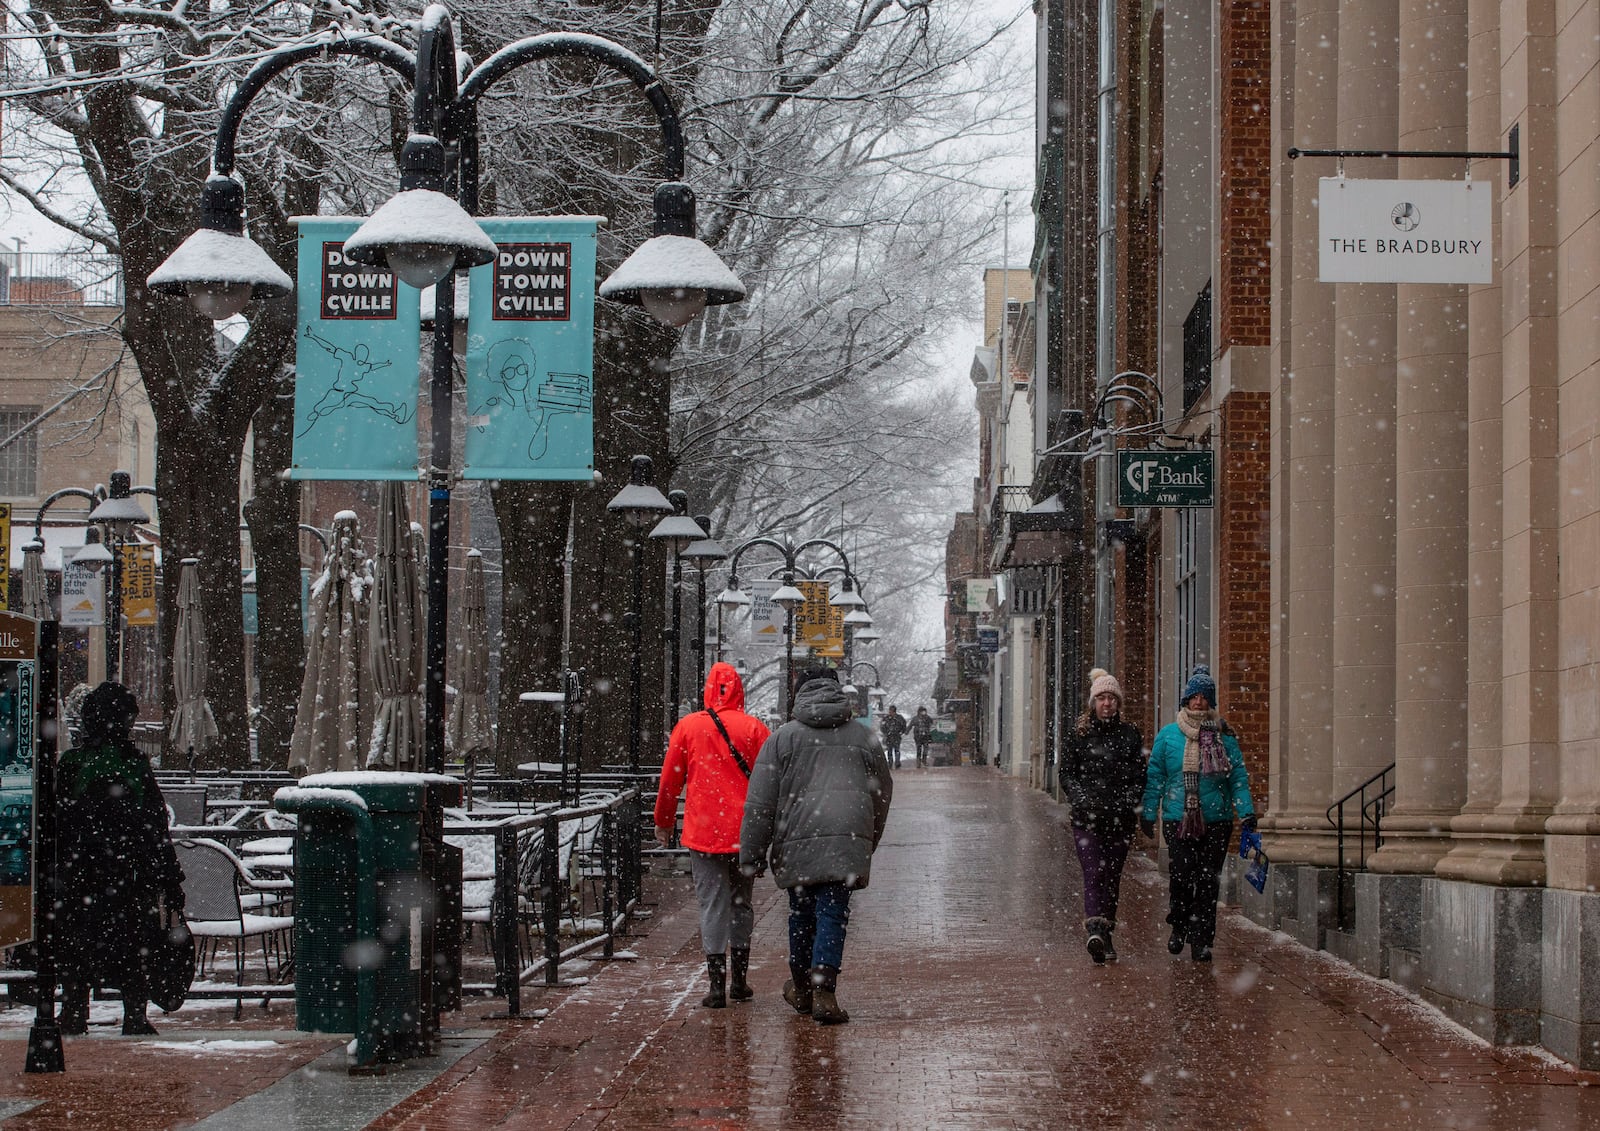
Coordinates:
column 973, row 1006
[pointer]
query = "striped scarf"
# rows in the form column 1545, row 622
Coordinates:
column 1203, row 753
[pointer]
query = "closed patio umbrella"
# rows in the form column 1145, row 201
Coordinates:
column 395, row 640
column 35, row 588
column 194, row 729
column 333, row 719
column 468, row 732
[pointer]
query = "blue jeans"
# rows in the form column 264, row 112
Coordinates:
column 818, row 915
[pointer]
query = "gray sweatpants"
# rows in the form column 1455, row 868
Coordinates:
column 726, row 917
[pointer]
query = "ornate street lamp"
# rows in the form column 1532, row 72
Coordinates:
column 638, row 504
column 423, row 234
column 678, row 531
column 704, row 551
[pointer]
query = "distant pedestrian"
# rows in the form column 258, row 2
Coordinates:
column 1196, row 784
column 1103, row 772
column 710, row 757
column 117, row 863
column 817, row 805
column 922, row 733
column 893, row 727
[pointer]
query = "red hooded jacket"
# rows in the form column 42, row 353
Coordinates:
column 697, row 755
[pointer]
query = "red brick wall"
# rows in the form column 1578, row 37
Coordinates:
column 1243, row 608
column 1244, row 288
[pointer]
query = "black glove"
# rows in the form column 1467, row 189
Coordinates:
column 1248, row 823
column 1147, row 827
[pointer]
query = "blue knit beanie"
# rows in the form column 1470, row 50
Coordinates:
column 1200, row 683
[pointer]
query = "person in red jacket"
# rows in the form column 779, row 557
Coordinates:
column 711, row 752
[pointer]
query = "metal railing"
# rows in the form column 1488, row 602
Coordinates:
column 1369, row 812
column 564, row 874
column 60, row 278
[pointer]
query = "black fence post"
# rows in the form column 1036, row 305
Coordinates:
column 550, row 899
column 503, row 925
column 608, row 857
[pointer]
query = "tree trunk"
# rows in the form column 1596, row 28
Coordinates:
column 274, row 517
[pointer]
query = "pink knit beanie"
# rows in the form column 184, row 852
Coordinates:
column 1102, row 680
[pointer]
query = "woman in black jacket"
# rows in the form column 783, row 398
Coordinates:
column 1103, row 769
column 117, row 864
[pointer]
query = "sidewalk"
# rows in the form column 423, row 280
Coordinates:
column 973, row 1005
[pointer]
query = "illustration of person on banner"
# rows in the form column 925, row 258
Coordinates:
column 354, row 365
column 510, row 369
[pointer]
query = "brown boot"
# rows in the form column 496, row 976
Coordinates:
column 797, row 991
column 717, row 969
column 739, row 983
column 825, row 1007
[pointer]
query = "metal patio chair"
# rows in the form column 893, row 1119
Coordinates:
column 216, row 885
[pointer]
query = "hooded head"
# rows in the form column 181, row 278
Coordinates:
column 1200, row 683
column 108, row 714
column 724, row 690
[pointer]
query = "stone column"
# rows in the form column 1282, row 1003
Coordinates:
column 1430, row 471
column 1304, row 84
column 1363, row 425
column 1511, row 838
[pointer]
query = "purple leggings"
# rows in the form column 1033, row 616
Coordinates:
column 1101, row 855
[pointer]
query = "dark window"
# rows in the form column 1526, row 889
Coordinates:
column 1197, row 350
column 19, row 451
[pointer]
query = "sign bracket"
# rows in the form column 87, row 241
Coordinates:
column 1512, row 153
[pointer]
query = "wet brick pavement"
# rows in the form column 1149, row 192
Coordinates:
column 973, row 1006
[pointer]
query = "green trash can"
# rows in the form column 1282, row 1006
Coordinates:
column 376, row 943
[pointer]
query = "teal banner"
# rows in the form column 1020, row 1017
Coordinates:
column 356, row 362
column 530, row 351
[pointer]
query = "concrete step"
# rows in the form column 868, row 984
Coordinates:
column 1405, row 968
column 1341, row 944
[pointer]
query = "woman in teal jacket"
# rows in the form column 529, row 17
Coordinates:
column 1196, row 784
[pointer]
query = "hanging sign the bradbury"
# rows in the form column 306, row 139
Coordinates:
column 1405, row 231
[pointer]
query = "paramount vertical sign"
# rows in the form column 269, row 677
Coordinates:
column 1405, row 231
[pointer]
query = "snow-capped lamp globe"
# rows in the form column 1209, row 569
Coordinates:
column 858, row 618
column 94, row 556
column 847, row 597
column 866, row 635
column 787, row 596
column 673, row 275
column 639, row 503
column 677, row 530
column 421, row 233
column 218, row 268
column 732, row 599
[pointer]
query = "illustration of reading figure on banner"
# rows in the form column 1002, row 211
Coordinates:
column 354, row 365
column 511, row 366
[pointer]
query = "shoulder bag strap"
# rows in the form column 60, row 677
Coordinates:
column 744, row 767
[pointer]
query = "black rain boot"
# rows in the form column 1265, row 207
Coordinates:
column 739, row 988
column 1111, row 948
column 73, row 1020
column 1201, row 952
column 825, row 1007
column 797, row 990
column 717, row 968
column 1098, row 934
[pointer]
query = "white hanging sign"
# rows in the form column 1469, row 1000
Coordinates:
column 83, row 600
column 1405, row 231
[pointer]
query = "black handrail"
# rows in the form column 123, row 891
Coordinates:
column 1370, row 812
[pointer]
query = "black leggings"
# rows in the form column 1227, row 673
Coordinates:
column 1194, row 869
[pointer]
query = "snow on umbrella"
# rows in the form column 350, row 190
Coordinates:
column 35, row 589
column 194, row 728
column 334, row 714
column 394, row 640
column 468, row 731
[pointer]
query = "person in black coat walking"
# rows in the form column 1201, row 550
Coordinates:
column 1103, row 771
column 922, row 734
column 117, row 863
column 893, row 728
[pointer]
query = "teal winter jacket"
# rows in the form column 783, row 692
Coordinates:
column 1163, row 781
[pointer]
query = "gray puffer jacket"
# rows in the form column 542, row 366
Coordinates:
column 819, row 796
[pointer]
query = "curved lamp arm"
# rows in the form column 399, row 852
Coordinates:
column 54, row 497
column 372, row 47
column 769, row 543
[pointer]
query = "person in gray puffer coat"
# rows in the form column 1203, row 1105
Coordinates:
column 817, row 804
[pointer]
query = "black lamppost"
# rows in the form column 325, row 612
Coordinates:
column 787, row 596
column 703, row 552
column 639, row 504
column 678, row 531
column 424, row 236
column 113, row 514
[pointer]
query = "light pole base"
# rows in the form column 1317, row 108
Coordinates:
column 45, row 1053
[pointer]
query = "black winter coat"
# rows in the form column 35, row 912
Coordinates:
column 1103, row 768
column 116, row 862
